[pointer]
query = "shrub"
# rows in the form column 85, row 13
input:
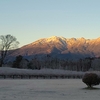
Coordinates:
column 91, row 79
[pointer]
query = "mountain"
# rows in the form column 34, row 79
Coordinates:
column 72, row 48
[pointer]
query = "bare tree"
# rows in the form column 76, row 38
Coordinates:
column 7, row 42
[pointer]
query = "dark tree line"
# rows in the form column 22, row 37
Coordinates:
column 52, row 63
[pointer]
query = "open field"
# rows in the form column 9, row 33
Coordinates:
column 47, row 89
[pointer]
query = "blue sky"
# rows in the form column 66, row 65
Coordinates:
column 30, row 20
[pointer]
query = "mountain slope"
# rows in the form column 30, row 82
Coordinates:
column 73, row 47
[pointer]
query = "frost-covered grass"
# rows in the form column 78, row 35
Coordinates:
column 47, row 89
column 9, row 71
column 57, row 73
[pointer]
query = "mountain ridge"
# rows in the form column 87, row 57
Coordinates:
column 76, row 47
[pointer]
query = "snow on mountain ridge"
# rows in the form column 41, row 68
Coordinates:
column 63, row 42
column 50, row 41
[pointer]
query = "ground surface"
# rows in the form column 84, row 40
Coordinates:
column 47, row 89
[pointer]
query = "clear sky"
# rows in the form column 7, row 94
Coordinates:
column 30, row 20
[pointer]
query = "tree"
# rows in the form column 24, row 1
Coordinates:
column 34, row 64
column 16, row 63
column 91, row 79
column 7, row 42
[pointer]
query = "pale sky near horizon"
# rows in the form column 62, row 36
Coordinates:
column 30, row 20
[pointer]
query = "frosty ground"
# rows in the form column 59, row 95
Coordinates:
column 46, row 89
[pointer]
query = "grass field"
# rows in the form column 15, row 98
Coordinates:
column 47, row 89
